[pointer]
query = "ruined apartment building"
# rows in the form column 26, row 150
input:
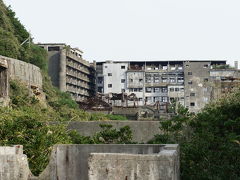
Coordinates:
column 69, row 71
column 190, row 83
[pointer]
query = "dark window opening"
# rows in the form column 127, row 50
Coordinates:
column 122, row 67
column 189, row 73
column 192, row 94
column 109, row 74
column 109, row 85
column 53, row 48
column 192, row 104
column 122, row 80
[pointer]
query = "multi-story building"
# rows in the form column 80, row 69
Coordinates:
column 186, row 82
column 69, row 71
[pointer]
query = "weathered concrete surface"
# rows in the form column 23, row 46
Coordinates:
column 26, row 72
column 113, row 166
column 13, row 164
column 71, row 161
column 143, row 131
column 4, row 83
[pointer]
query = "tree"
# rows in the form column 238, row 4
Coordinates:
column 209, row 141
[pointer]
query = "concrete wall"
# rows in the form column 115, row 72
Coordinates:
column 4, row 84
column 113, row 166
column 13, row 164
column 197, row 94
column 117, row 74
column 77, row 162
column 143, row 131
column 25, row 72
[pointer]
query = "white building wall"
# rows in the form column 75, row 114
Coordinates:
column 113, row 74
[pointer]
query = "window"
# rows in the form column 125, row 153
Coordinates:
column 181, row 89
column 180, row 79
column 140, row 80
column 156, row 79
column 172, row 80
column 164, row 79
column 192, row 104
column 205, row 66
column 123, row 90
column 171, row 89
column 131, row 80
column 122, row 67
column 192, row 94
column 109, row 74
column 148, row 89
column 164, row 99
column 205, row 79
column 105, row 66
column 164, row 90
column 130, row 89
column 189, row 73
column 189, row 82
column 176, row 89
column 140, row 99
column 135, row 90
column 110, row 85
column 53, row 48
column 122, row 80
column 187, row 65
column 156, row 89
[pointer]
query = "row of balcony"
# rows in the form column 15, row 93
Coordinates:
column 78, row 75
column 78, row 67
column 77, row 90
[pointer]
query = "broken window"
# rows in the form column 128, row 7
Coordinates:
column 109, row 74
column 189, row 73
column 171, row 89
column 122, row 67
column 156, row 89
column 109, row 85
column 192, row 104
column 164, row 90
column 122, row 80
column 176, row 89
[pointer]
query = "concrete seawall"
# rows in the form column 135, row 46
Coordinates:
column 143, row 131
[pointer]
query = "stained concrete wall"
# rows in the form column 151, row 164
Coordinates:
column 113, row 166
column 13, row 164
column 26, row 72
column 143, row 131
column 4, row 83
column 77, row 162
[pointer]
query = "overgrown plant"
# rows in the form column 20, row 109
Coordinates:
column 209, row 141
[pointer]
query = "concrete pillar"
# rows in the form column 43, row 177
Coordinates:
column 236, row 64
column 62, row 70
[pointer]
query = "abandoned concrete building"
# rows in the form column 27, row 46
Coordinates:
column 69, row 71
column 191, row 83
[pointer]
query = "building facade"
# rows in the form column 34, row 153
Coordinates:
column 190, row 83
column 69, row 71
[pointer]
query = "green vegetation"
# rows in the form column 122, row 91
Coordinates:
column 209, row 141
column 37, row 127
column 13, row 34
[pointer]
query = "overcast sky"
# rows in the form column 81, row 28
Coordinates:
column 137, row 29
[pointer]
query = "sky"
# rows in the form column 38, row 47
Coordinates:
column 137, row 29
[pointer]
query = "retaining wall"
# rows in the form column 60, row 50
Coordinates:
column 143, row 131
column 25, row 72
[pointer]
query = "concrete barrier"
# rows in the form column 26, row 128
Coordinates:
column 143, row 131
column 113, row 162
column 96, row 162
